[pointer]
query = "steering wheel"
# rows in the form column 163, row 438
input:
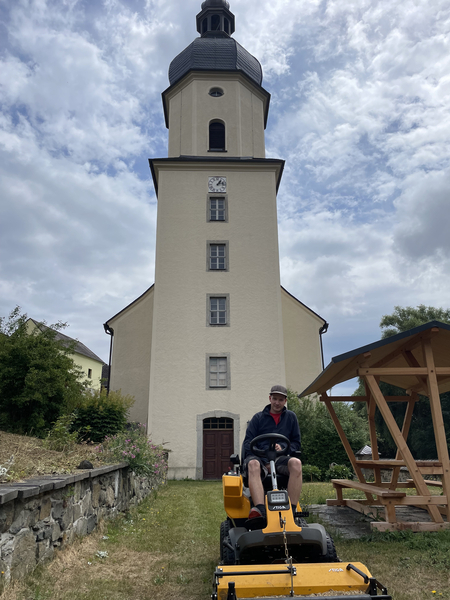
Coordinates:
column 270, row 453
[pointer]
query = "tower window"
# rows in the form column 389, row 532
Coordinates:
column 217, row 310
column 217, row 209
column 217, row 257
column 216, row 92
column 216, row 136
column 227, row 26
column 218, row 372
column 215, row 23
column 204, row 25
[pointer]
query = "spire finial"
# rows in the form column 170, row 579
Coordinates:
column 215, row 19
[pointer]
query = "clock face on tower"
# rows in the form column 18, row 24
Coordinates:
column 217, row 184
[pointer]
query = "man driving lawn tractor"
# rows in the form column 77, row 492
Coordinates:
column 275, row 418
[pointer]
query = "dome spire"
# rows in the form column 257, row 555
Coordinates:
column 215, row 19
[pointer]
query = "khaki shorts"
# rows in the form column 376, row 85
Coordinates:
column 281, row 465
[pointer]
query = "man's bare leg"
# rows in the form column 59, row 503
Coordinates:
column 254, row 482
column 295, row 480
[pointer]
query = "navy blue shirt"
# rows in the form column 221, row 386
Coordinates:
column 263, row 422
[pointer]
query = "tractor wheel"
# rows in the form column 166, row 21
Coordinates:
column 224, row 530
column 228, row 556
column 331, row 555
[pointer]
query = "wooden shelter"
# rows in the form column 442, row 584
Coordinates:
column 418, row 361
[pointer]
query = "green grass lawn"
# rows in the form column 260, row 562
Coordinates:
column 168, row 548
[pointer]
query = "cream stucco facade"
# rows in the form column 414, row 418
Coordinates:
column 166, row 345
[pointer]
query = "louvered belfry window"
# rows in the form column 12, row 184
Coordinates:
column 216, row 136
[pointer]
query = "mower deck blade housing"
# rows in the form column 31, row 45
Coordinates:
column 269, row 581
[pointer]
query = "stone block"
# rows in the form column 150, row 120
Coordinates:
column 45, row 508
column 91, row 523
column 80, row 526
column 110, row 496
column 56, row 531
column 96, row 488
column 67, row 517
column 86, row 504
column 57, row 509
column 24, row 554
column 7, row 494
column 6, row 516
column 77, row 511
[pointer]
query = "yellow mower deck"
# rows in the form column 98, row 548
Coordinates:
column 275, row 580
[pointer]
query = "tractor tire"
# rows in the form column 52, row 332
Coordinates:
column 331, row 555
column 228, row 556
column 224, row 531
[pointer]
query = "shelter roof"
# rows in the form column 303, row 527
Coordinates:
column 389, row 352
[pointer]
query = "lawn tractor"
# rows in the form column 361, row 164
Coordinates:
column 280, row 556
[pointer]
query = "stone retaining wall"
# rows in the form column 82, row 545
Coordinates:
column 43, row 514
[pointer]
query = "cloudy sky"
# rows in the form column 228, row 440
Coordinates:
column 359, row 111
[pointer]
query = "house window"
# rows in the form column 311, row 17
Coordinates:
column 217, row 257
column 217, row 310
column 218, row 376
column 216, row 136
column 217, row 209
column 89, row 373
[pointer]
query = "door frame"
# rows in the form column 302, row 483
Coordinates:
column 216, row 414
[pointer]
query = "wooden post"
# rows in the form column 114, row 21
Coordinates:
column 436, row 414
column 401, row 445
column 324, row 397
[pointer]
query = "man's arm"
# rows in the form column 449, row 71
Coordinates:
column 252, row 432
column 295, row 437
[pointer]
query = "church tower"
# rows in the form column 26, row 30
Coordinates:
column 216, row 326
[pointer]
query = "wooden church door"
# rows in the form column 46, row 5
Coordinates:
column 218, row 445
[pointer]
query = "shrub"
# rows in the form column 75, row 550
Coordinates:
column 100, row 414
column 338, row 472
column 311, row 473
column 38, row 377
column 133, row 446
column 60, row 437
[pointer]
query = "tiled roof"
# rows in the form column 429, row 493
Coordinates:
column 79, row 347
column 215, row 54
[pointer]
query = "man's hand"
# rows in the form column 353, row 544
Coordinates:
column 278, row 447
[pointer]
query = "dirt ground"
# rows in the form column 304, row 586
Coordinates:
column 26, row 457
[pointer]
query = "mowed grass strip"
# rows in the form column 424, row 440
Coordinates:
column 169, row 546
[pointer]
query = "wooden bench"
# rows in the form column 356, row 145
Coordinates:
column 367, row 488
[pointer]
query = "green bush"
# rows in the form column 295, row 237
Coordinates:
column 311, row 473
column 60, row 437
column 100, row 414
column 134, row 447
column 338, row 472
column 38, row 377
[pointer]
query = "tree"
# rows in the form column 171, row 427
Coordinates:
column 38, row 378
column 421, row 434
column 321, row 444
column 409, row 317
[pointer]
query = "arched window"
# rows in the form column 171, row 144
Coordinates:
column 216, row 136
column 215, row 23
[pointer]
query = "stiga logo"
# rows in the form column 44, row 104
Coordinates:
column 282, row 507
column 336, row 571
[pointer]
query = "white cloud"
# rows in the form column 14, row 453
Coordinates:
column 359, row 110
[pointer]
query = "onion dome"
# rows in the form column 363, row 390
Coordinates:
column 215, row 50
